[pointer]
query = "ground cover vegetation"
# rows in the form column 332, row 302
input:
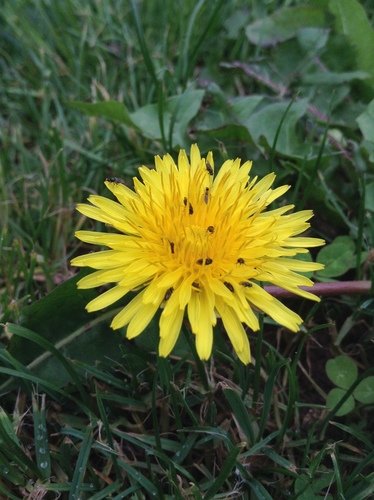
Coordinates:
column 93, row 90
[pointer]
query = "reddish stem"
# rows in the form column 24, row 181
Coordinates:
column 331, row 288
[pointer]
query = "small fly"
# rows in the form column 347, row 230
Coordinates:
column 206, row 196
column 168, row 293
column 117, row 180
column 207, row 261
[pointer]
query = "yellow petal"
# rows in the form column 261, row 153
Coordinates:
column 235, row 331
column 106, row 299
column 141, row 320
column 170, row 327
column 125, row 316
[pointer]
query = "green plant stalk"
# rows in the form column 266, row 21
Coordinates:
column 316, row 165
column 258, row 357
column 273, row 149
column 361, row 223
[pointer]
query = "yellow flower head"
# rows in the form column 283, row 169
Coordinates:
column 190, row 239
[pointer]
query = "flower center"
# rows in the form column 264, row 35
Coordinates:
column 196, row 246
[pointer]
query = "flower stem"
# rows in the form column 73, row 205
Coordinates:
column 330, row 288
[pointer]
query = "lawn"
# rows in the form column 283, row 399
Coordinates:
column 92, row 90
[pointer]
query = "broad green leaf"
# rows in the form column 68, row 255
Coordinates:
column 236, row 22
column 338, row 257
column 112, row 110
column 332, row 78
column 369, row 196
column 303, row 488
column 335, row 396
column 353, row 22
column 227, row 133
column 178, row 111
column 342, row 371
column 243, row 107
column 364, row 392
column 366, row 122
column 312, row 40
column 322, row 481
column 369, row 147
column 54, row 317
column 61, row 318
column 309, row 488
column 346, row 241
column 222, row 120
column 284, row 24
column 216, row 112
column 265, row 122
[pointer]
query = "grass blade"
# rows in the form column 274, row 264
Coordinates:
column 241, row 414
column 80, row 466
column 224, row 473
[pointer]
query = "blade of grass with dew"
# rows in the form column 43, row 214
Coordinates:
column 140, row 479
column 108, row 491
column 13, row 448
column 127, row 492
column 42, row 455
column 8, row 471
column 185, row 449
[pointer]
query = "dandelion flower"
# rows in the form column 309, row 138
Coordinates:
column 191, row 241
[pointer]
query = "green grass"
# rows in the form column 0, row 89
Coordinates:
column 82, row 417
